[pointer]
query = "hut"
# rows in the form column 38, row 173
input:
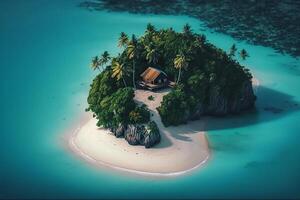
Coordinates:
column 153, row 78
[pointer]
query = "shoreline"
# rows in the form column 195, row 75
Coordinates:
column 174, row 155
column 194, row 132
column 102, row 164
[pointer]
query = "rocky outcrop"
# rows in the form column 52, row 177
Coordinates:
column 135, row 134
column 152, row 139
column 148, row 135
column 152, row 136
column 219, row 105
column 245, row 100
column 119, row 132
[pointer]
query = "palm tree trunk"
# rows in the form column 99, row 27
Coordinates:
column 133, row 74
column 178, row 78
column 124, row 81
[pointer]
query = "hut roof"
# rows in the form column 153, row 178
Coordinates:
column 150, row 74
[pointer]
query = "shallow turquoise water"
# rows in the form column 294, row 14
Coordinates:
column 45, row 47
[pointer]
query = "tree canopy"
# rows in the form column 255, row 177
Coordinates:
column 199, row 68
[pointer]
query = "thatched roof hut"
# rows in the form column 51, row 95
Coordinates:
column 154, row 76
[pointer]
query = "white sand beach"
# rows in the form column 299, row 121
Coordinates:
column 182, row 148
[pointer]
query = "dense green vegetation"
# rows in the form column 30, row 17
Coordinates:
column 151, row 98
column 113, row 104
column 139, row 115
column 174, row 107
column 198, row 68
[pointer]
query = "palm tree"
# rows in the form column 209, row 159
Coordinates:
column 152, row 54
column 187, row 29
column 105, row 57
column 150, row 28
column 202, row 38
column 180, row 62
column 198, row 42
column 123, row 40
column 232, row 51
column 95, row 63
column 119, row 71
column 132, row 54
column 244, row 54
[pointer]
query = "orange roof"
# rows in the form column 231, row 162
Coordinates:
column 150, row 74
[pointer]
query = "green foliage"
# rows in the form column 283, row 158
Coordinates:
column 232, row 51
column 103, row 85
column 151, row 98
column 139, row 115
column 185, row 56
column 115, row 109
column 174, row 107
column 198, row 85
column 123, row 40
column 113, row 104
column 152, row 126
column 244, row 54
column 97, row 62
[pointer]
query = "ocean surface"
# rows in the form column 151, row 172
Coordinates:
column 45, row 51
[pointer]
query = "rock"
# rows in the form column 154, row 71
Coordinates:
column 119, row 132
column 112, row 130
column 152, row 136
column 134, row 134
column 219, row 105
column 245, row 100
column 152, row 139
column 198, row 111
column 139, row 135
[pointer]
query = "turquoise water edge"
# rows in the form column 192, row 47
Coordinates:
column 45, row 50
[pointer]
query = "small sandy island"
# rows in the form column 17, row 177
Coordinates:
column 182, row 148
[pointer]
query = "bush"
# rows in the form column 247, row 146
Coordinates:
column 174, row 108
column 115, row 109
column 152, row 126
column 139, row 115
column 151, row 98
column 103, row 85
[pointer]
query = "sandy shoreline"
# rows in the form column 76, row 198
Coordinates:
column 127, row 159
column 182, row 149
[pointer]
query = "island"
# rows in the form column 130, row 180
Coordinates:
column 147, row 102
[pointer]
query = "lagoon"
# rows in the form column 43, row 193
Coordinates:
column 45, row 52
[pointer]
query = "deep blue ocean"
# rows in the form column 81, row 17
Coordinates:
column 45, row 51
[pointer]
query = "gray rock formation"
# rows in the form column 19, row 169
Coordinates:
column 246, row 99
column 219, row 105
column 135, row 134
column 152, row 138
column 119, row 132
column 140, row 135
